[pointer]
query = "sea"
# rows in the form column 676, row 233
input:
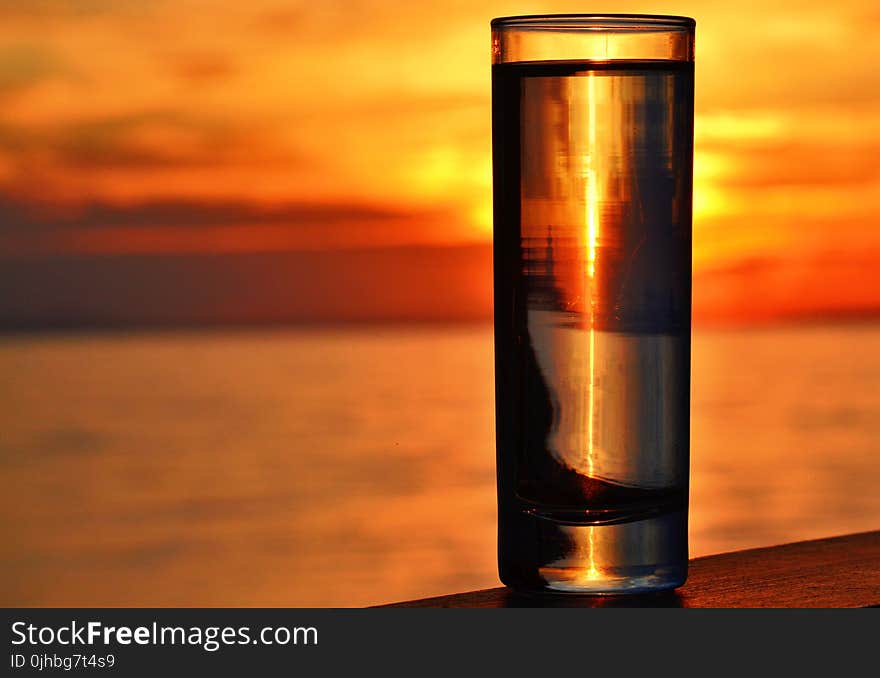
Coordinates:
column 350, row 466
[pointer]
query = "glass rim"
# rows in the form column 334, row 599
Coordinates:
column 599, row 22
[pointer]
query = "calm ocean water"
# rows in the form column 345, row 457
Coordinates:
column 356, row 466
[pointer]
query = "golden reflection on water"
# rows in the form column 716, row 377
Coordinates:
column 592, row 573
column 343, row 467
column 592, row 202
column 565, row 575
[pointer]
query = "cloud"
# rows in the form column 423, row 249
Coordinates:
column 154, row 141
column 35, row 215
column 778, row 286
column 29, row 229
column 819, row 163
column 25, row 64
column 441, row 284
column 149, row 139
column 281, row 20
column 201, row 67
column 47, row 9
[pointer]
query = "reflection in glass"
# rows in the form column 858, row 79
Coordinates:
column 593, row 247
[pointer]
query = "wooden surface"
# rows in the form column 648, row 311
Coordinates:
column 836, row 572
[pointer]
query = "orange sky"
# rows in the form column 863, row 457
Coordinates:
column 184, row 126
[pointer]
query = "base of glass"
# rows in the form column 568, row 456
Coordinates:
column 540, row 553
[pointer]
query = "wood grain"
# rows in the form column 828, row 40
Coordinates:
column 836, row 572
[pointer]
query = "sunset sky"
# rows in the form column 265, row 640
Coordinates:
column 135, row 127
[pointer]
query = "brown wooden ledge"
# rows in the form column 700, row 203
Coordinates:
column 836, row 572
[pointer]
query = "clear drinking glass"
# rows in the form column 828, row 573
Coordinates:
column 592, row 135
